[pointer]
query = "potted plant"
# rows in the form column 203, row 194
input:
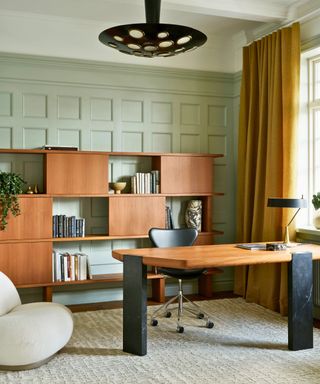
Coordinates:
column 11, row 185
column 316, row 204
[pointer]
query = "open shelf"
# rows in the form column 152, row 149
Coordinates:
column 76, row 184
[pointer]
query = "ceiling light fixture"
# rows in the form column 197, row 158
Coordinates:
column 152, row 39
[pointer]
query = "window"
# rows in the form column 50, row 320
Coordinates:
column 309, row 133
column 314, row 117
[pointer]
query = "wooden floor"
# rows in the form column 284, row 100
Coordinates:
column 118, row 304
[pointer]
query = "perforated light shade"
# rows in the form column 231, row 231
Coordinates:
column 152, row 39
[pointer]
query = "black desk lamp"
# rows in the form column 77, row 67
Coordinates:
column 288, row 203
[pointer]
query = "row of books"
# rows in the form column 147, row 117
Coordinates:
column 69, row 267
column 146, row 182
column 67, row 226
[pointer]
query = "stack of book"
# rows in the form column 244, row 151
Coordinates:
column 69, row 267
column 67, row 226
column 146, row 182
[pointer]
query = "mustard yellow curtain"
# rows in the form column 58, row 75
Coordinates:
column 269, row 103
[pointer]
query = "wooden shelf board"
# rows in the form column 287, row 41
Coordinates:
column 77, row 195
column 93, row 238
column 96, row 237
column 159, row 154
column 138, row 154
column 103, row 278
column 25, row 241
column 191, row 194
column 115, row 195
column 34, row 195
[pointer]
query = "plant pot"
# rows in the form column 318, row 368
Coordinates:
column 316, row 218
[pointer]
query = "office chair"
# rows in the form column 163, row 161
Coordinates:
column 165, row 238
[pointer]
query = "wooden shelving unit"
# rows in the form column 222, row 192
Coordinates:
column 26, row 245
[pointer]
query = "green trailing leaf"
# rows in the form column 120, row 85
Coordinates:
column 316, row 201
column 11, row 185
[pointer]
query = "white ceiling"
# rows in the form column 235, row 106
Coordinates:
column 70, row 28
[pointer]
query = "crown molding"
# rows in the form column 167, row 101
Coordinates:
column 128, row 77
column 81, row 64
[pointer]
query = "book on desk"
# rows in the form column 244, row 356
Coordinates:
column 252, row 246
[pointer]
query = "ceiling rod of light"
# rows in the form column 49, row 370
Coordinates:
column 152, row 9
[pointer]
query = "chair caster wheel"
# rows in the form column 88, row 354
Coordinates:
column 168, row 314
column 154, row 322
column 209, row 324
column 180, row 329
column 200, row 316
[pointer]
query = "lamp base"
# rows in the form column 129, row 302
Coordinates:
column 287, row 241
column 291, row 244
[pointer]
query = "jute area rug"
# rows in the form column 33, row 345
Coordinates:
column 248, row 344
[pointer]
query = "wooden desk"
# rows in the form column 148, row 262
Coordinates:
column 299, row 259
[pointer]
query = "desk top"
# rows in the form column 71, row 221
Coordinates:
column 218, row 255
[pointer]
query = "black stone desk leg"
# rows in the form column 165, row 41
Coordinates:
column 134, row 306
column 300, row 320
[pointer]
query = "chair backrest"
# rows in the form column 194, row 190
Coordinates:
column 9, row 296
column 164, row 238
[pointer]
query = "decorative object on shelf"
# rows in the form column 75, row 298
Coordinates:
column 11, row 185
column 288, row 203
column 169, row 218
column 316, row 215
column 152, row 39
column 193, row 215
column 316, row 218
column 29, row 190
column 59, row 148
column 118, row 187
column 35, row 189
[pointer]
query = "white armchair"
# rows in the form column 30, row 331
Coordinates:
column 30, row 334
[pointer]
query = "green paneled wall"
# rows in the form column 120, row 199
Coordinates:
column 103, row 107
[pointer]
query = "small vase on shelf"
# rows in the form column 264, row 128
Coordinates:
column 29, row 191
column 316, row 218
column 316, row 205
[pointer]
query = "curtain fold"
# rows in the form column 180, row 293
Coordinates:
column 269, row 105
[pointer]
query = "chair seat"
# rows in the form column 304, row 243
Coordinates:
column 182, row 273
column 32, row 333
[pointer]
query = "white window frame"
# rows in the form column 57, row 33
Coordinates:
column 313, row 107
column 309, row 134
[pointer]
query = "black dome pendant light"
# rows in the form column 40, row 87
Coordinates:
column 152, row 39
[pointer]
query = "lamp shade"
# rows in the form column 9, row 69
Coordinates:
column 286, row 203
column 152, row 39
